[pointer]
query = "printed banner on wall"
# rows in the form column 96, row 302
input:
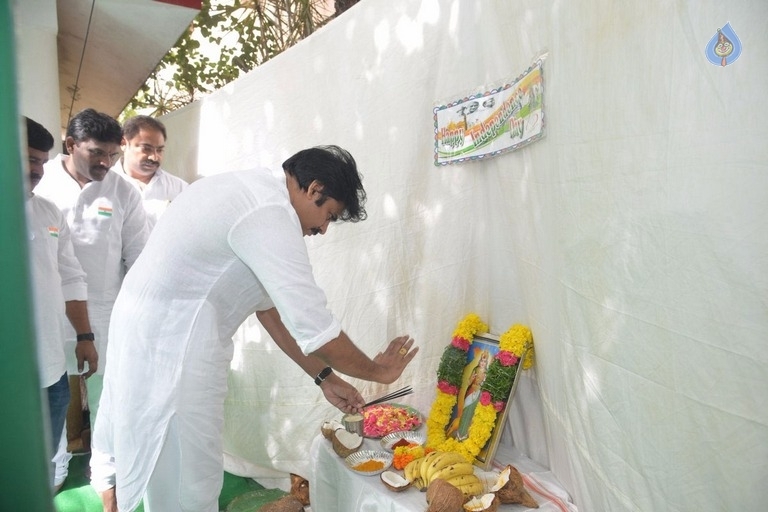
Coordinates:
column 492, row 122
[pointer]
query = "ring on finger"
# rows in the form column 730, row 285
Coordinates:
column 403, row 351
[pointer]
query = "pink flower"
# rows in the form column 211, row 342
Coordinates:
column 485, row 398
column 447, row 388
column 460, row 343
column 380, row 420
column 498, row 405
column 507, row 358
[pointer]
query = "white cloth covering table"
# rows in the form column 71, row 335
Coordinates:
column 335, row 488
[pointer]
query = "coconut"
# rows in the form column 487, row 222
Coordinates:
column 300, row 488
column 329, row 427
column 394, row 482
column 287, row 503
column 509, row 488
column 485, row 503
column 444, row 497
column 345, row 443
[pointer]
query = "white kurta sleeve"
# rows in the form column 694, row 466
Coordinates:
column 135, row 231
column 73, row 283
column 269, row 241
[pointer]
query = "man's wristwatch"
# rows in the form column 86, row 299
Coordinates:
column 323, row 375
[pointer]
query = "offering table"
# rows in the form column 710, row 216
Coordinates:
column 335, row 488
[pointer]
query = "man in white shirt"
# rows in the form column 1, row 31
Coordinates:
column 59, row 290
column 231, row 245
column 143, row 145
column 105, row 217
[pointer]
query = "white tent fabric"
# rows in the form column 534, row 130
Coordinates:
column 632, row 239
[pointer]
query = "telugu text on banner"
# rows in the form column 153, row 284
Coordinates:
column 491, row 122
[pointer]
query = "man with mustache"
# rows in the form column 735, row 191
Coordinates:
column 143, row 146
column 106, row 220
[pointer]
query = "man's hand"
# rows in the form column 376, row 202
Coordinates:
column 109, row 500
column 395, row 358
column 342, row 394
column 86, row 351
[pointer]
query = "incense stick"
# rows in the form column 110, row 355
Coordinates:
column 395, row 394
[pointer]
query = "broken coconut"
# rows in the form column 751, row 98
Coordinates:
column 329, row 427
column 444, row 497
column 394, row 482
column 345, row 443
column 509, row 488
column 485, row 503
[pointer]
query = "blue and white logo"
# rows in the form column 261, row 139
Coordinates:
column 724, row 48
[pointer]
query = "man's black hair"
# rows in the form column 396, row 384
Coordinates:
column 134, row 125
column 89, row 124
column 38, row 137
column 335, row 168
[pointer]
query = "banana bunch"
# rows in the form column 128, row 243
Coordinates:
column 449, row 466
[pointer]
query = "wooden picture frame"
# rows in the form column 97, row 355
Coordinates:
column 484, row 348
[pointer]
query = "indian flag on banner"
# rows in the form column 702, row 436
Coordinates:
column 491, row 121
column 106, row 211
column 53, row 231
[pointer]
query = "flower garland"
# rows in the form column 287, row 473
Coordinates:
column 493, row 393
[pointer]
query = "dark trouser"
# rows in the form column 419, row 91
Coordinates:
column 58, row 403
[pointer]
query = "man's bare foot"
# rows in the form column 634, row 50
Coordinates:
column 109, row 500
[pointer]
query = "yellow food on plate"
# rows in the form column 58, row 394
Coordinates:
column 369, row 465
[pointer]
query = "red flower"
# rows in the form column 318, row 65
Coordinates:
column 460, row 343
column 447, row 388
column 507, row 358
column 485, row 398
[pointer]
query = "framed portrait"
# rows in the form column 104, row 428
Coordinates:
column 479, row 357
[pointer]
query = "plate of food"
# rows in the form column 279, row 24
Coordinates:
column 382, row 419
column 408, row 438
column 369, row 462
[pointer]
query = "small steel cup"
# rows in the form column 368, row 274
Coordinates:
column 353, row 423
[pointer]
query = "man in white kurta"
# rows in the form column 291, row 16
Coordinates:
column 143, row 146
column 106, row 220
column 57, row 278
column 59, row 290
column 157, row 194
column 230, row 245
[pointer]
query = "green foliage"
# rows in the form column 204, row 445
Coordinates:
column 498, row 382
column 227, row 38
column 452, row 365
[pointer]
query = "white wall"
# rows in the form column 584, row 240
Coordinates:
column 633, row 239
column 183, row 143
column 37, row 62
